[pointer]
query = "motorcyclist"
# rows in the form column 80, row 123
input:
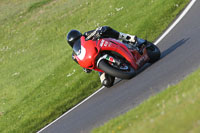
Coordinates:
column 101, row 32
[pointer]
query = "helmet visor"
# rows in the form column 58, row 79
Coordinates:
column 77, row 47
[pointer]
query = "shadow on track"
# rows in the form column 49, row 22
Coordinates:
column 173, row 47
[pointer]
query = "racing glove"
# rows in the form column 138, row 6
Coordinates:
column 100, row 32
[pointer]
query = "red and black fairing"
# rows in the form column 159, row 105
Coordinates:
column 88, row 51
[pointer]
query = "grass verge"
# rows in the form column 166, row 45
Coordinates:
column 39, row 81
column 175, row 110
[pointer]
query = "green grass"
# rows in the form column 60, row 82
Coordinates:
column 175, row 110
column 38, row 4
column 39, row 81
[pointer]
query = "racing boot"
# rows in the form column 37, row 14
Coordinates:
column 128, row 38
column 106, row 80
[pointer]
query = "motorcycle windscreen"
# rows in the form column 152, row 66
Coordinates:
column 77, row 47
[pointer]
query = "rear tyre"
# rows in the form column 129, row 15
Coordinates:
column 127, row 72
column 153, row 52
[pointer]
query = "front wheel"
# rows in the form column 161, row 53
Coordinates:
column 124, row 71
column 153, row 52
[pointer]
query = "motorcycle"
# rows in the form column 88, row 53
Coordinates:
column 114, row 57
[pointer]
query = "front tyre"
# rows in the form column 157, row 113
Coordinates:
column 125, row 71
column 153, row 52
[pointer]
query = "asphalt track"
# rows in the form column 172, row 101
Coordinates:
column 180, row 56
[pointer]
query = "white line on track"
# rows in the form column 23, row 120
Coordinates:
column 176, row 22
column 71, row 109
column 156, row 42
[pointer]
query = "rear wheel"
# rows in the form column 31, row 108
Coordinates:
column 153, row 52
column 123, row 71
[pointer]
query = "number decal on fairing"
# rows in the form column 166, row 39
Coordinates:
column 105, row 43
column 102, row 41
